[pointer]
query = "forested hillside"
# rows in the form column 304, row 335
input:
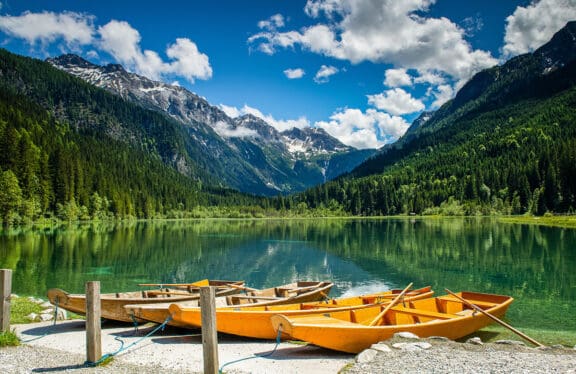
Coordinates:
column 93, row 156
column 505, row 144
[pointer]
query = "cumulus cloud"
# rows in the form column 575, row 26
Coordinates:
column 294, row 73
column 367, row 30
column 442, row 94
column 363, row 130
column 323, row 75
column 531, row 26
column 122, row 41
column 117, row 38
column 226, row 131
column 396, row 101
column 397, row 78
column 280, row 125
column 47, row 27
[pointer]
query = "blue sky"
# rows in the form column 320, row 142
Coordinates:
column 361, row 69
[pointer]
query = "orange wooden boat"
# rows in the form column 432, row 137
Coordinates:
column 350, row 331
column 296, row 292
column 254, row 321
column 112, row 304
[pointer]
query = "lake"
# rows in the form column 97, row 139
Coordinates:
column 536, row 265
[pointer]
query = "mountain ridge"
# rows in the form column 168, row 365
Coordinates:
column 276, row 158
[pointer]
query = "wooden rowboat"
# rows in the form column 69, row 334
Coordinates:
column 254, row 321
column 112, row 304
column 350, row 331
column 297, row 292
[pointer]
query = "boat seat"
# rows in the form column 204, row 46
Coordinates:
column 424, row 313
column 482, row 304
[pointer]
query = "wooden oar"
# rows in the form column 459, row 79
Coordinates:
column 243, row 287
column 392, row 303
column 154, row 292
column 495, row 319
column 195, row 284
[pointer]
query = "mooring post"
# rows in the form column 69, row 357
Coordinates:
column 209, row 334
column 93, row 330
column 5, row 292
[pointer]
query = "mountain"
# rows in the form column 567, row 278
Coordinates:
column 72, row 150
column 281, row 162
column 505, row 144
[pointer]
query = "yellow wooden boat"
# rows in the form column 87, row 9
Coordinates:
column 254, row 321
column 112, row 304
column 351, row 331
column 297, row 292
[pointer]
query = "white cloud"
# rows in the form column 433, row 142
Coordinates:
column 430, row 77
column 231, row 111
column 368, row 30
column 442, row 94
column 280, row 125
column 531, row 26
column 118, row 38
column 396, row 101
column 122, row 41
column 226, row 131
column 362, row 130
column 272, row 23
column 294, row 73
column 397, row 78
column 48, row 27
column 323, row 75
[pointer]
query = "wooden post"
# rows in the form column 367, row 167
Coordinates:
column 209, row 334
column 93, row 330
column 5, row 292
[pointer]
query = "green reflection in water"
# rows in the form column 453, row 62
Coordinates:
column 534, row 264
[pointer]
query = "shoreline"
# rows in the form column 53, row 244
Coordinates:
column 180, row 351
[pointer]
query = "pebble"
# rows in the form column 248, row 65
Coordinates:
column 419, row 346
column 406, row 335
column 509, row 342
column 475, row 340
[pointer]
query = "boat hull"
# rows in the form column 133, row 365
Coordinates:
column 339, row 332
column 254, row 321
column 112, row 304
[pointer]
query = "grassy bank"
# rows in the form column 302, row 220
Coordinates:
column 556, row 221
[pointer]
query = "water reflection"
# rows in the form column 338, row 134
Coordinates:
column 533, row 264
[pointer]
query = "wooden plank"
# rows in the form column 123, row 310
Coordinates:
column 209, row 333
column 5, row 292
column 424, row 313
column 93, row 328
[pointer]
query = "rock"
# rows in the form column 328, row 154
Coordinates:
column 14, row 296
column 366, row 355
column 475, row 340
column 440, row 338
column 61, row 315
column 46, row 317
column 32, row 316
column 46, row 305
column 380, row 347
column 509, row 342
column 410, row 347
column 47, row 311
column 406, row 335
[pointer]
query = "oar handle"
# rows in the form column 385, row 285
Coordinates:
column 392, row 303
column 494, row 318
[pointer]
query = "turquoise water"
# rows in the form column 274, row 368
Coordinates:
column 535, row 265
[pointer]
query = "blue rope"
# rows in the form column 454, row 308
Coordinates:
column 53, row 324
column 122, row 348
column 278, row 340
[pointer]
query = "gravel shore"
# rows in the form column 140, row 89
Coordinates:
column 64, row 352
